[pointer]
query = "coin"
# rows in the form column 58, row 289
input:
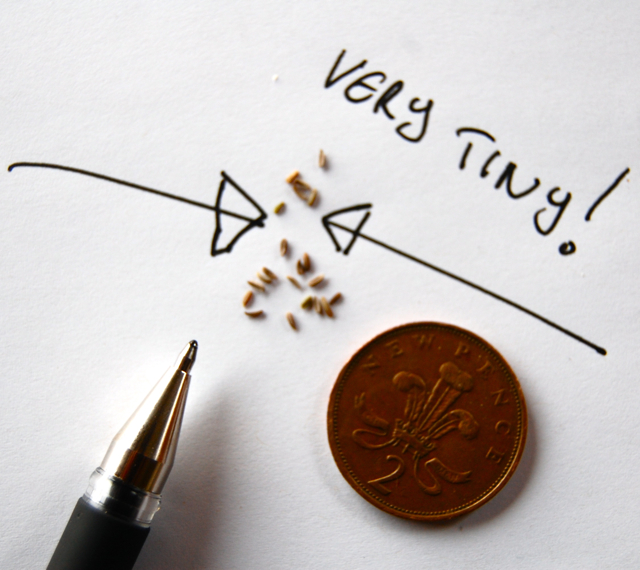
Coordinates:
column 427, row 421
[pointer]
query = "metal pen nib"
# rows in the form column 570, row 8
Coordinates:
column 142, row 452
column 111, row 521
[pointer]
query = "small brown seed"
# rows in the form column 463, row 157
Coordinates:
column 263, row 278
column 306, row 261
column 311, row 200
column 279, row 208
column 326, row 307
column 317, row 305
column 284, row 247
column 292, row 177
column 300, row 194
column 300, row 267
column 301, row 185
column 294, row 281
column 257, row 286
column 248, row 297
column 270, row 274
column 302, row 189
column 307, row 303
column 322, row 159
column 316, row 280
column 335, row 298
column 292, row 321
column 253, row 314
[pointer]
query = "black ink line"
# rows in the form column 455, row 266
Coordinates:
column 484, row 172
column 605, row 194
column 356, row 233
column 256, row 222
column 226, row 179
column 137, row 187
column 331, row 79
column 474, row 130
column 326, row 222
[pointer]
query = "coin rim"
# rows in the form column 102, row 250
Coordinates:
column 488, row 494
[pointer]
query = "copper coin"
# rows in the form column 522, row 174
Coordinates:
column 427, row 421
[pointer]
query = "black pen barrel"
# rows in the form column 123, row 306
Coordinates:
column 97, row 540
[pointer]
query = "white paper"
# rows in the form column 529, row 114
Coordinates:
column 103, row 284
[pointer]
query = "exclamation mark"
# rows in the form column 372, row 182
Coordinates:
column 568, row 247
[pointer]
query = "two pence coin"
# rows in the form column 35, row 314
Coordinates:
column 427, row 421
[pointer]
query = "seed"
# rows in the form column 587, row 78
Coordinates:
column 269, row 273
column 311, row 200
column 326, row 307
column 301, row 185
column 292, row 321
column 317, row 305
column 278, row 208
column 307, row 303
column 316, row 280
column 257, row 286
column 292, row 177
column 322, row 159
column 300, row 267
column 253, row 314
column 284, row 246
column 263, row 278
column 299, row 194
column 301, row 189
column 335, row 298
column 306, row 262
column 294, row 281
column 248, row 297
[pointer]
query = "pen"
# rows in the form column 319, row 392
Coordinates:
column 112, row 519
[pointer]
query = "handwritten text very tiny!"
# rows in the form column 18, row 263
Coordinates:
column 368, row 87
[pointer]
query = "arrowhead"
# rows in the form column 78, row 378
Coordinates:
column 358, row 214
column 240, row 214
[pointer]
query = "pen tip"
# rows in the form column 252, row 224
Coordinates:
column 187, row 357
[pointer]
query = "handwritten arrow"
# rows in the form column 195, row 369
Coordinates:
column 356, row 233
column 217, row 208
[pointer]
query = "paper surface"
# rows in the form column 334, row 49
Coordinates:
column 103, row 284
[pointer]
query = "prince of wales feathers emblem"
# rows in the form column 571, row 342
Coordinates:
column 425, row 420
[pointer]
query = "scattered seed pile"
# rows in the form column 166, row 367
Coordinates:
column 266, row 277
column 303, row 266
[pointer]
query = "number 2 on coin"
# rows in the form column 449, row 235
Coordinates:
column 377, row 484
